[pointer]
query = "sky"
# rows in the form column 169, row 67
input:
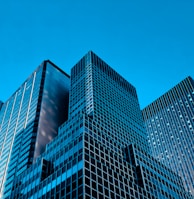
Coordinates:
column 150, row 43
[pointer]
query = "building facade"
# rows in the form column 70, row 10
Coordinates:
column 29, row 119
column 169, row 123
column 101, row 151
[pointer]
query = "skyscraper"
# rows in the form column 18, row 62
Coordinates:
column 169, row 123
column 29, row 119
column 101, row 151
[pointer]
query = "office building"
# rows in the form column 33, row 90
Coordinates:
column 169, row 123
column 29, row 120
column 101, row 151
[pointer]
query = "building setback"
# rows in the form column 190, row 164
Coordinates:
column 169, row 123
column 101, row 151
column 29, row 120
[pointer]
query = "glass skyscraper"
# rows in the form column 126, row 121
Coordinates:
column 101, row 151
column 29, row 119
column 169, row 123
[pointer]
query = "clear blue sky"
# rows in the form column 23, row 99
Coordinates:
column 150, row 43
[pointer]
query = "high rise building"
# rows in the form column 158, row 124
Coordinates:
column 29, row 120
column 101, row 151
column 169, row 123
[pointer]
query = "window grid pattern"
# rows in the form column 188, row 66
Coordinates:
column 22, row 118
column 169, row 123
column 64, row 178
column 13, row 119
column 91, row 157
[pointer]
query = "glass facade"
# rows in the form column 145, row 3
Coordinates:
column 101, row 151
column 23, row 116
column 106, row 96
column 169, row 123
